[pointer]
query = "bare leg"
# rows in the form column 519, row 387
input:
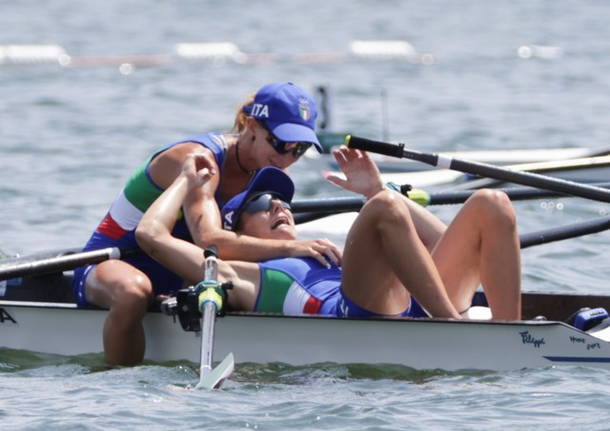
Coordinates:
column 383, row 255
column 127, row 292
column 481, row 246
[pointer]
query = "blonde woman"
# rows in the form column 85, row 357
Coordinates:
column 272, row 129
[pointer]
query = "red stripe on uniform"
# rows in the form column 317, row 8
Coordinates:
column 110, row 228
column 312, row 306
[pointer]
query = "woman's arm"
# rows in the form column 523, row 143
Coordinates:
column 153, row 235
column 233, row 246
column 202, row 216
column 204, row 221
column 200, row 209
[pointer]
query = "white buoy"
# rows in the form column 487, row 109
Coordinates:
column 382, row 48
column 389, row 49
column 546, row 52
column 210, row 51
column 33, row 54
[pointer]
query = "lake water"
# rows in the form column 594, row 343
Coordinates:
column 71, row 136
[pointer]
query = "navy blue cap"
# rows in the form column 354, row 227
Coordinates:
column 287, row 111
column 268, row 179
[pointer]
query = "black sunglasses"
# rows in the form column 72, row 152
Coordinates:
column 298, row 149
column 262, row 202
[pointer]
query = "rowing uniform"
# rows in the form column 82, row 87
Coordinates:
column 117, row 229
column 294, row 286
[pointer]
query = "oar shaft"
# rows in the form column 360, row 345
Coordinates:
column 565, row 232
column 328, row 205
column 312, row 209
column 532, row 179
column 210, row 302
column 60, row 263
column 482, row 169
column 514, row 193
column 208, row 323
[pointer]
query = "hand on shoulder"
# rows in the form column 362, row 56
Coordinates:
column 166, row 166
column 323, row 250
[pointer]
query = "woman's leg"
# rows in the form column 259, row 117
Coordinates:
column 383, row 255
column 127, row 292
column 481, row 245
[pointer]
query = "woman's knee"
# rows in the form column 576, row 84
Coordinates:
column 388, row 208
column 137, row 289
column 494, row 206
column 113, row 285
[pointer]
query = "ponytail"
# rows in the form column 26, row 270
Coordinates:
column 242, row 114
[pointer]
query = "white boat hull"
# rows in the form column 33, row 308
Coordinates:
column 416, row 343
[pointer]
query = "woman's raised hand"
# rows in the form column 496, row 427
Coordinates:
column 361, row 173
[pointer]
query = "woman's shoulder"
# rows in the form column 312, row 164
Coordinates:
column 213, row 141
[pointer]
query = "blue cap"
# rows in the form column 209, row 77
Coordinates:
column 268, row 179
column 287, row 111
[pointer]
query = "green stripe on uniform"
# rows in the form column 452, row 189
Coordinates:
column 273, row 291
column 140, row 191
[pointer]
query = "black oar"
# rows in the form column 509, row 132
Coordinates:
column 514, row 193
column 307, row 210
column 527, row 240
column 210, row 303
column 564, row 232
column 552, row 167
column 25, row 266
column 482, row 169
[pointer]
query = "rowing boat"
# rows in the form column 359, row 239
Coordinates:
column 38, row 314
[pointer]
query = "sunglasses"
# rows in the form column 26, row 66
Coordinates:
column 262, row 202
column 296, row 148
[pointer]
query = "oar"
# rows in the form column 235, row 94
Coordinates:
column 20, row 267
column 307, row 210
column 210, row 303
column 482, row 169
column 564, row 232
column 545, row 168
column 514, row 193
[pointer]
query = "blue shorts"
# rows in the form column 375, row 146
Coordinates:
column 163, row 281
column 345, row 307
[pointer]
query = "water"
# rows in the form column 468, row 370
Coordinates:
column 70, row 137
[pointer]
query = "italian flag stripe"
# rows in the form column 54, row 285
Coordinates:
column 298, row 301
column 281, row 294
column 140, row 191
column 275, row 288
column 110, row 228
column 312, row 306
column 124, row 213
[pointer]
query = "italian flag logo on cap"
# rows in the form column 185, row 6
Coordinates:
column 304, row 110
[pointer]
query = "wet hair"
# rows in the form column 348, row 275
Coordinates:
column 240, row 118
